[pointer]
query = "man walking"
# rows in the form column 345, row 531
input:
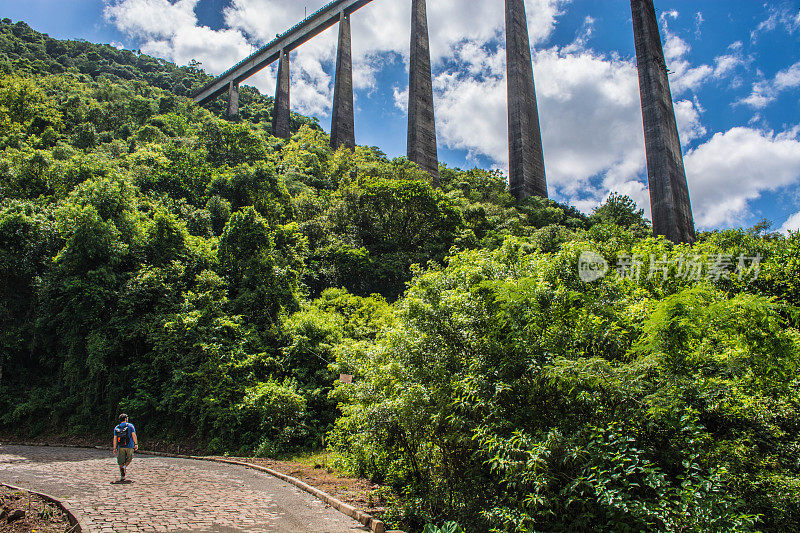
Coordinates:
column 125, row 442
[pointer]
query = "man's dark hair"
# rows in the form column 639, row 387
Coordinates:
column 123, row 417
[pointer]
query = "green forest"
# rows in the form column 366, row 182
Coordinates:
column 214, row 281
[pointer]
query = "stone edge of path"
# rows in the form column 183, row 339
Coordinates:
column 375, row 525
column 77, row 526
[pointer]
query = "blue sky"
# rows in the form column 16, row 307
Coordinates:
column 735, row 81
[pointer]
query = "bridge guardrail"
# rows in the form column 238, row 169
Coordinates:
column 273, row 42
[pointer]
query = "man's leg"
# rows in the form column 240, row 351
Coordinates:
column 121, row 461
column 128, row 459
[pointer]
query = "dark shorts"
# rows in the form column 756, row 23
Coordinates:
column 124, row 456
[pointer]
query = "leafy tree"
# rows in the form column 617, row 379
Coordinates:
column 622, row 211
column 400, row 222
column 231, row 144
column 263, row 264
column 85, row 137
column 220, row 210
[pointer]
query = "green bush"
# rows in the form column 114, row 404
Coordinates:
column 275, row 410
column 513, row 397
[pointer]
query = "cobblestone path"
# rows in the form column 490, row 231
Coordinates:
column 175, row 495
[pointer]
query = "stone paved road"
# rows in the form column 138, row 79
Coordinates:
column 176, row 495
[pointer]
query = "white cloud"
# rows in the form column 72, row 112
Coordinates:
column 151, row 19
column 788, row 78
column 779, row 17
column 683, row 76
column 793, row 222
column 688, row 79
column 170, row 30
column 765, row 92
column 401, row 99
column 675, row 47
column 671, row 14
column 726, row 64
column 471, row 104
column 698, row 24
column 687, row 115
column 760, row 97
column 454, row 26
column 591, row 118
column 263, row 20
column 582, row 38
column 217, row 50
column 736, row 167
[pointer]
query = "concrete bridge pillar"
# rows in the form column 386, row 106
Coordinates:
column 281, row 121
column 526, row 157
column 233, row 99
column 343, row 121
column 669, row 193
column 421, row 122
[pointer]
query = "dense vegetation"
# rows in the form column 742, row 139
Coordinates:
column 214, row 281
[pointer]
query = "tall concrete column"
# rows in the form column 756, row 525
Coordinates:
column 281, row 125
column 343, row 121
column 525, row 153
column 669, row 194
column 233, row 99
column 421, row 122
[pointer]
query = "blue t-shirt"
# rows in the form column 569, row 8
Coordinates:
column 131, row 431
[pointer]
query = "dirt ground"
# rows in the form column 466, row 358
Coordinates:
column 40, row 516
column 360, row 493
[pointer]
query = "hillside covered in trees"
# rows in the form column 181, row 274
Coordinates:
column 214, row 281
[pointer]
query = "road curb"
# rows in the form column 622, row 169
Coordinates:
column 77, row 525
column 375, row 525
